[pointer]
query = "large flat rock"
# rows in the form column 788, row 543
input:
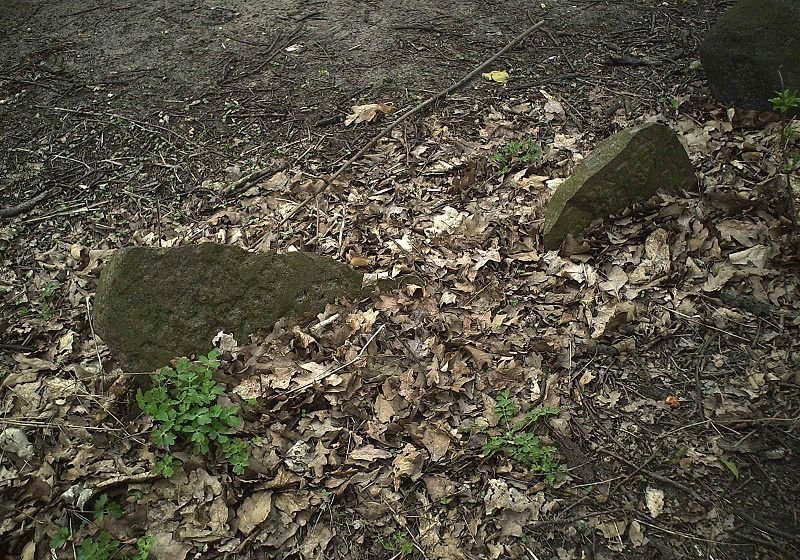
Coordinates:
column 155, row 304
column 626, row 168
column 752, row 51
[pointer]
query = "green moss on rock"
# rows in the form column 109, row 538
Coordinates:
column 154, row 304
column 624, row 169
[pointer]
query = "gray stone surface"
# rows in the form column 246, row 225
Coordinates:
column 154, row 304
column 752, row 51
column 624, row 169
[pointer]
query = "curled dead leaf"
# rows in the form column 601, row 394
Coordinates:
column 367, row 113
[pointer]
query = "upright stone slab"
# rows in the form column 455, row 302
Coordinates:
column 753, row 51
column 624, row 169
column 156, row 304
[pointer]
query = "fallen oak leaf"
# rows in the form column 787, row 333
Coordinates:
column 408, row 463
column 253, row 511
column 367, row 113
column 367, row 453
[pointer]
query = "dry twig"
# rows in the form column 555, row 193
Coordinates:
column 24, row 206
column 404, row 117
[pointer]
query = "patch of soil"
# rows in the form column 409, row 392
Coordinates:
column 168, row 94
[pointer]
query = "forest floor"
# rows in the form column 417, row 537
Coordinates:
column 657, row 357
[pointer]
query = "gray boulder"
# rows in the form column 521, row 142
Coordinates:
column 624, row 169
column 753, row 51
column 154, row 304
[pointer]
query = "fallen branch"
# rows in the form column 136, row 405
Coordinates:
column 767, row 528
column 243, row 184
column 402, row 118
column 24, row 207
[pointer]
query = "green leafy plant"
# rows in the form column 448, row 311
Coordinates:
column 505, row 407
column 785, row 101
column 45, row 308
column 525, row 152
column 105, row 547
column 103, row 506
column 518, row 444
column 670, row 102
column 183, row 405
column 60, row 538
column 398, row 543
column 143, row 547
column 167, row 465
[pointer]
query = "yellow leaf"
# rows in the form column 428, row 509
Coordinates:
column 499, row 76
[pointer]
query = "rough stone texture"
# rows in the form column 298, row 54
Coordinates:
column 155, row 304
column 623, row 169
column 753, row 45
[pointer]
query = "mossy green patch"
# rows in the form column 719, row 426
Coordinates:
column 154, row 304
column 629, row 167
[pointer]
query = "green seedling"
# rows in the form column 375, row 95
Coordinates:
column 167, row 465
column 672, row 102
column 731, row 466
column 398, row 543
column 515, row 153
column 103, row 546
column 45, row 310
column 183, row 405
column 60, row 538
column 785, row 100
column 103, row 506
column 106, row 547
column 520, row 445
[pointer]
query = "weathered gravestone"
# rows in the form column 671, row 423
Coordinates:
column 627, row 168
column 753, row 51
column 155, row 304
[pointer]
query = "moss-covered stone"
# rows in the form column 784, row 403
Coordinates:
column 753, row 51
column 155, row 304
column 624, row 169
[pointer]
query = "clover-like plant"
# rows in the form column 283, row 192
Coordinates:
column 183, row 404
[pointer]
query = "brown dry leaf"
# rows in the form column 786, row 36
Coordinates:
column 367, row 113
column 386, row 409
column 587, row 377
column 166, row 547
column 316, row 542
column 616, row 279
column 636, row 535
column 438, row 487
column 368, row 453
column 407, row 463
column 436, row 442
column 722, row 275
column 481, row 358
column 757, row 255
column 361, row 262
column 611, row 316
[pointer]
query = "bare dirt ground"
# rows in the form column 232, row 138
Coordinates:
column 666, row 340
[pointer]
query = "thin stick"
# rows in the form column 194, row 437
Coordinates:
column 322, row 376
column 767, row 528
column 404, row 117
column 94, row 336
column 25, row 206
